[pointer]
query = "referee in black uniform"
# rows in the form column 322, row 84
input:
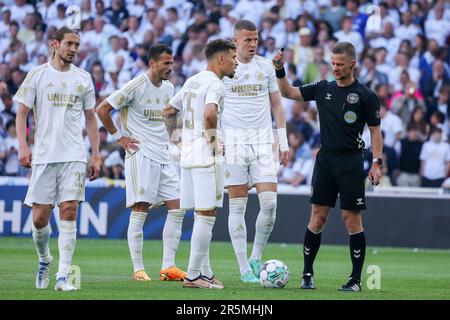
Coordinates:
column 344, row 106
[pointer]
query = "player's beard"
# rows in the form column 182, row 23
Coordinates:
column 166, row 75
column 231, row 75
column 67, row 59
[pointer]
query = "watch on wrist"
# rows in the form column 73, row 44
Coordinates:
column 379, row 161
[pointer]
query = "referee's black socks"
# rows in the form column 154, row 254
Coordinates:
column 311, row 246
column 357, row 253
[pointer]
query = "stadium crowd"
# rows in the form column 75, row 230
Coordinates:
column 402, row 47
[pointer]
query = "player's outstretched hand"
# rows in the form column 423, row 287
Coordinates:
column 284, row 157
column 374, row 175
column 94, row 168
column 129, row 144
column 25, row 156
column 278, row 60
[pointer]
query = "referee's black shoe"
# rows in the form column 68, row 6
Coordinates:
column 351, row 286
column 308, row 281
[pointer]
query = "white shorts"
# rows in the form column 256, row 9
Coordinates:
column 202, row 188
column 246, row 163
column 53, row 183
column 149, row 181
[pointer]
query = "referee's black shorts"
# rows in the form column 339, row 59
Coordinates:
column 339, row 173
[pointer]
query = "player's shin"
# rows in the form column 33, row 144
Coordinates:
column 200, row 241
column 238, row 231
column 311, row 245
column 264, row 222
column 41, row 242
column 357, row 253
column 135, row 237
column 171, row 236
column 205, row 267
column 66, row 244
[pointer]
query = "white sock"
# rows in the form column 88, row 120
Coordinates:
column 171, row 236
column 200, row 241
column 264, row 222
column 238, row 232
column 205, row 267
column 41, row 239
column 135, row 237
column 66, row 244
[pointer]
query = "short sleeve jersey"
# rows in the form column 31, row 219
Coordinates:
column 58, row 100
column 343, row 113
column 246, row 116
column 199, row 90
column 141, row 103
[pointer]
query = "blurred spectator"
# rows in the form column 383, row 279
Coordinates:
column 359, row 19
column 369, row 76
column 117, row 14
column 407, row 30
column 39, row 45
column 11, row 144
column 403, row 64
column 304, row 52
column 312, row 70
column 437, row 28
column 115, row 165
column 298, row 121
column 269, row 50
column 435, row 160
column 434, row 81
column 391, row 125
column 20, row 9
column 350, row 35
column 134, row 34
column 442, row 103
column 405, row 100
column 409, row 164
column 7, row 114
column 418, row 118
column 4, row 23
column 334, row 14
column 26, row 33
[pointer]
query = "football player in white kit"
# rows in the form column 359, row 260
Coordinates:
column 201, row 101
column 150, row 176
column 59, row 93
column 247, row 127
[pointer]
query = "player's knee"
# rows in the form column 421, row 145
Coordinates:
column 68, row 212
column 237, row 206
column 317, row 222
column 140, row 207
column 39, row 222
column 268, row 202
column 353, row 226
column 176, row 214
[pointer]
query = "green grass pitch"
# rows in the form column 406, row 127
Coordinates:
column 106, row 273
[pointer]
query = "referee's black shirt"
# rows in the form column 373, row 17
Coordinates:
column 343, row 113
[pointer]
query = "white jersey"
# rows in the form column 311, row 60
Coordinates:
column 141, row 103
column 199, row 90
column 58, row 100
column 246, row 116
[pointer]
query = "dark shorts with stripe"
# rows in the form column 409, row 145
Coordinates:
column 339, row 173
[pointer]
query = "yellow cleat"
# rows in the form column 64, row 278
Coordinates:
column 172, row 274
column 141, row 275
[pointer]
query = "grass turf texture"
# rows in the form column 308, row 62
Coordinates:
column 106, row 273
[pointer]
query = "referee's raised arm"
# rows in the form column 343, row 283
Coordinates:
column 286, row 89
